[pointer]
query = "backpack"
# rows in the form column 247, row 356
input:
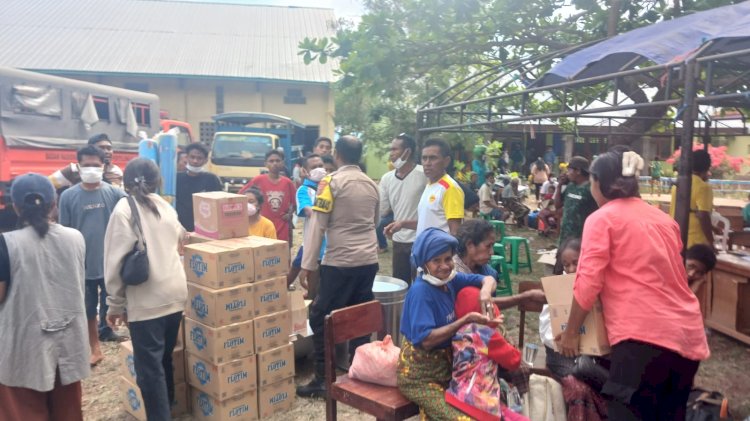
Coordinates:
column 704, row 405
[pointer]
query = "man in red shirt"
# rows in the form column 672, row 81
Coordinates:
column 278, row 193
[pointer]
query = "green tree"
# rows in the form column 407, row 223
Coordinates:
column 403, row 52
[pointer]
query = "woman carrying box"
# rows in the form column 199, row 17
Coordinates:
column 630, row 259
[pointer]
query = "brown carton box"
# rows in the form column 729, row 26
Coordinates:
column 218, row 265
column 300, row 309
column 272, row 331
column 559, row 293
column 275, row 398
column 194, row 238
column 127, row 366
column 270, row 257
column 240, row 408
column 222, row 381
column 270, row 296
column 275, row 365
column 220, row 215
column 132, row 400
column 220, row 307
column 218, row 345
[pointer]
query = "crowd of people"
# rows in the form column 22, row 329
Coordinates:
column 65, row 292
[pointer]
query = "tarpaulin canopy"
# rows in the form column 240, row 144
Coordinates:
column 727, row 28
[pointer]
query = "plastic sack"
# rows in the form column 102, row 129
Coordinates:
column 376, row 362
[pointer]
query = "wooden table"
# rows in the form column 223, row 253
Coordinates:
column 728, row 208
column 728, row 297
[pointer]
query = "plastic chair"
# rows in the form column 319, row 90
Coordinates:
column 498, row 263
column 499, row 249
column 485, row 216
column 515, row 245
column 499, row 227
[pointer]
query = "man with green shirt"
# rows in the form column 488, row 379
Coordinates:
column 573, row 195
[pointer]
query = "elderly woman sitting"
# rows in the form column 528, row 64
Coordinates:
column 429, row 322
column 475, row 240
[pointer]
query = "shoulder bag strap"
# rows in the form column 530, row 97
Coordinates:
column 136, row 218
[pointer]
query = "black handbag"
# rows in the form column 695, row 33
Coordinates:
column 594, row 371
column 135, row 266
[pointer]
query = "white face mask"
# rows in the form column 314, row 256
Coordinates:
column 435, row 281
column 317, row 174
column 251, row 209
column 398, row 163
column 193, row 169
column 91, row 175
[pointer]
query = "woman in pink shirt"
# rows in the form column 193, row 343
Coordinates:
column 630, row 259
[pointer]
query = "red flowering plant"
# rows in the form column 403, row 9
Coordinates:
column 723, row 165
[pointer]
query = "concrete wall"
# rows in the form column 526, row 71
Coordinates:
column 194, row 100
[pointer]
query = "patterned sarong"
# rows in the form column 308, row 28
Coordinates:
column 423, row 377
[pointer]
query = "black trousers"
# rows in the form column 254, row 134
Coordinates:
column 153, row 343
column 402, row 268
column 339, row 288
column 647, row 382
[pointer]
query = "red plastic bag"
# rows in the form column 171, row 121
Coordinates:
column 376, row 362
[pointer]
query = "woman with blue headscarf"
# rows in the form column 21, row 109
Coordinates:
column 428, row 323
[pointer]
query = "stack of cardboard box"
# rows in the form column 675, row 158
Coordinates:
column 240, row 364
column 130, row 394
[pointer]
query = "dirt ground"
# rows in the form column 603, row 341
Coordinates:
column 725, row 371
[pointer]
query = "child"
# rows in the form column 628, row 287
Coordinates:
column 582, row 401
column 313, row 171
column 259, row 225
column 477, row 351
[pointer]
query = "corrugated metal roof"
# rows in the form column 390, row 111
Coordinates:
column 163, row 38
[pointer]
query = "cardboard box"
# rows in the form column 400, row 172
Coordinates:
column 300, row 311
column 127, row 364
column 132, row 399
column 218, row 265
column 219, row 344
column 220, row 215
column 223, row 381
column 270, row 296
column 559, row 293
column 194, row 238
column 181, row 335
column 272, row 331
column 206, row 408
column 275, row 365
column 275, row 398
column 270, row 257
column 220, row 307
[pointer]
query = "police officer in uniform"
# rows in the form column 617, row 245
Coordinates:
column 346, row 213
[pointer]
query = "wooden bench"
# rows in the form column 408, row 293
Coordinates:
column 540, row 365
column 385, row 403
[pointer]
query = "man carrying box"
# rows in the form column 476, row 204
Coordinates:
column 346, row 213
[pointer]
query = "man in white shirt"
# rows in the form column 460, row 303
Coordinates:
column 487, row 203
column 400, row 191
column 442, row 202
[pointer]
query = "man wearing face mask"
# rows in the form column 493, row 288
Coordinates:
column 400, row 191
column 68, row 176
column 87, row 207
column 314, row 170
column 194, row 180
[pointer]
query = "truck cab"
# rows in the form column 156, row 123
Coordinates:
column 241, row 141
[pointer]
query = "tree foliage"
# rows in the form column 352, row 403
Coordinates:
column 403, row 52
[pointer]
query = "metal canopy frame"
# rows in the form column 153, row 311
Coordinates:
column 497, row 99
